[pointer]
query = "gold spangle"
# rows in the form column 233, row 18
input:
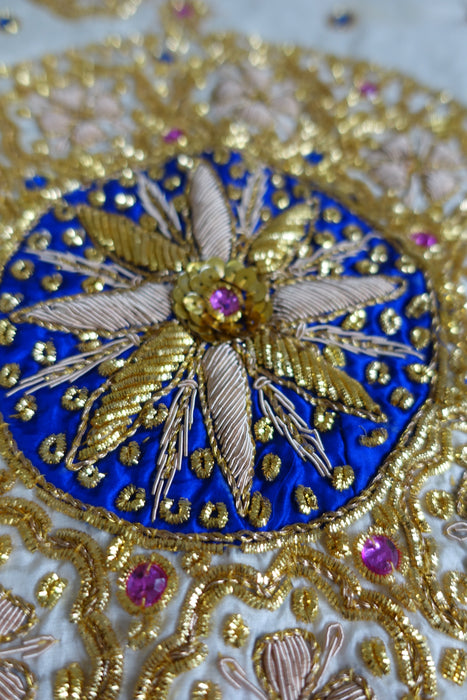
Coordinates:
column 96, row 198
column 379, row 254
column 418, row 305
column 69, row 682
column 375, row 656
column 130, row 454
column 73, row 237
column 44, row 352
column 172, row 183
column 235, row 631
column 118, row 553
column 352, row 232
column 390, row 321
column 338, row 544
column 202, row 463
column 94, row 254
column 354, row 321
column 143, row 631
column 377, row 372
column 280, row 199
column 91, row 285
column 278, row 180
column 9, row 375
column 22, row 269
column 366, row 267
column 420, row 337
column 323, row 419
column 40, row 240
column 206, row 690
column 7, row 332
column 305, row 604
column 271, row 466
column 9, row 301
column 6, row 548
column 334, row 355
column 181, row 513
column 386, row 517
column 25, row 408
column 454, row 665
column 53, row 448
column 108, row 367
column 419, row 373
column 50, row 589
column 406, row 265
column 343, row 477
column 155, row 416
column 332, row 215
column 234, row 193
column 64, row 212
column 214, row 515
column 260, row 510
column 124, row 201
column 196, row 563
column 74, row 398
column 264, row 432
column 306, row 499
column 52, row 283
column 373, row 438
column 440, row 504
column 325, row 239
column 131, row 498
column 90, row 476
column 402, row 398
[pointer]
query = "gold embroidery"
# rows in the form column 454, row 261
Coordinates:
column 214, row 515
column 375, row 437
column 343, row 477
column 89, row 477
column 306, row 499
column 25, row 408
column 53, row 448
column 49, row 590
column 9, row 375
column 454, row 665
column 440, row 504
column 375, row 656
column 202, row 463
column 260, row 510
column 305, row 604
column 402, row 398
column 271, row 466
column 130, row 454
column 69, row 682
column 74, row 398
column 378, row 372
column 22, row 269
column 6, row 548
column 44, row 353
column 131, row 498
column 264, row 432
column 180, row 515
column 206, row 690
column 7, row 332
column 235, row 631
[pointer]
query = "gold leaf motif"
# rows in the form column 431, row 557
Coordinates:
column 271, row 466
column 202, row 463
column 402, row 398
column 440, row 504
column 180, row 515
column 50, row 589
column 305, row 604
column 454, row 665
column 52, row 449
column 263, row 429
column 235, row 631
column 69, row 683
column 276, row 244
column 375, row 656
column 342, row 477
column 128, row 242
column 131, row 498
column 210, row 215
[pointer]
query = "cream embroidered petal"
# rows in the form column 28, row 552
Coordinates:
column 210, row 215
column 107, row 312
column 229, row 412
column 315, row 298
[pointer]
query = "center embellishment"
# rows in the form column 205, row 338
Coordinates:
column 211, row 365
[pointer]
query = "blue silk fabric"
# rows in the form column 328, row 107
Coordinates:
column 341, row 443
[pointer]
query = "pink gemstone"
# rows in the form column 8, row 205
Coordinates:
column 424, row 238
column 173, row 135
column 185, row 10
column 380, row 555
column 146, row 584
column 369, row 89
column 225, row 300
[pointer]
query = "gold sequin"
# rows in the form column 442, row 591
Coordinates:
column 44, row 353
column 214, row 515
column 235, row 631
column 26, row 407
column 454, row 665
column 378, row 372
column 375, row 656
column 342, row 477
column 373, row 438
column 390, row 321
column 130, row 454
column 440, row 504
column 305, row 604
column 306, row 499
column 263, row 430
column 202, row 463
column 7, row 332
column 9, row 375
column 271, row 466
column 53, row 448
column 50, row 589
column 131, row 498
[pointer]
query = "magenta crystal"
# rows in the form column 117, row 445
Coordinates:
column 380, row 555
column 173, row 135
column 369, row 89
column 146, row 584
column 186, row 10
column 225, row 300
column 424, row 238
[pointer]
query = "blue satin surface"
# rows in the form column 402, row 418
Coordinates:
column 341, row 444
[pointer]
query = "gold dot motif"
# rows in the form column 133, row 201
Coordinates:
column 50, row 589
column 323, row 420
column 325, row 239
column 202, row 463
column 131, row 498
column 390, row 321
column 52, row 450
column 355, row 321
column 22, row 269
column 9, row 301
column 7, row 332
column 338, row 544
column 90, row 476
column 155, row 416
column 124, row 201
column 73, row 237
column 130, row 454
column 214, row 515
column 40, row 240
column 375, row 656
column 367, row 267
column 271, row 466
column 235, row 631
column 378, row 373
column 332, row 215
column 440, row 504
column 373, row 438
column 206, row 690
column 44, row 353
column 9, row 375
column 379, row 254
column 260, row 510
column 181, row 513
column 92, row 284
column 342, row 477
column 417, row 372
column 418, row 305
column 25, row 408
column 420, row 337
column 306, row 499
column 74, row 398
column 51, row 283
column 280, row 199
column 305, row 604
column 352, row 232
column 96, row 198
column 264, row 432
column 402, row 398
column 454, row 665
column 63, row 212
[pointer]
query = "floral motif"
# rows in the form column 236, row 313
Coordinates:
column 219, row 311
column 252, row 95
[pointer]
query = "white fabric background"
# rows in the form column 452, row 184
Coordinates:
column 424, row 38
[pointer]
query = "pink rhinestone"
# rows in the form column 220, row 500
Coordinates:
column 146, row 584
column 186, row 10
column 224, row 300
column 369, row 89
column 380, row 555
column 424, row 239
column 173, row 135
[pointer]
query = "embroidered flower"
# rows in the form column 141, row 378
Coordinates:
column 419, row 169
column 218, row 310
column 290, row 665
column 252, row 95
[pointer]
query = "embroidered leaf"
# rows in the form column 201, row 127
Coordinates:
column 289, row 662
column 130, row 390
column 331, row 297
column 249, row 208
column 106, row 312
column 210, row 215
column 16, row 616
column 276, row 244
column 286, row 356
column 128, row 242
column 457, row 531
column 347, row 686
column 156, row 204
column 228, row 409
column 15, row 681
